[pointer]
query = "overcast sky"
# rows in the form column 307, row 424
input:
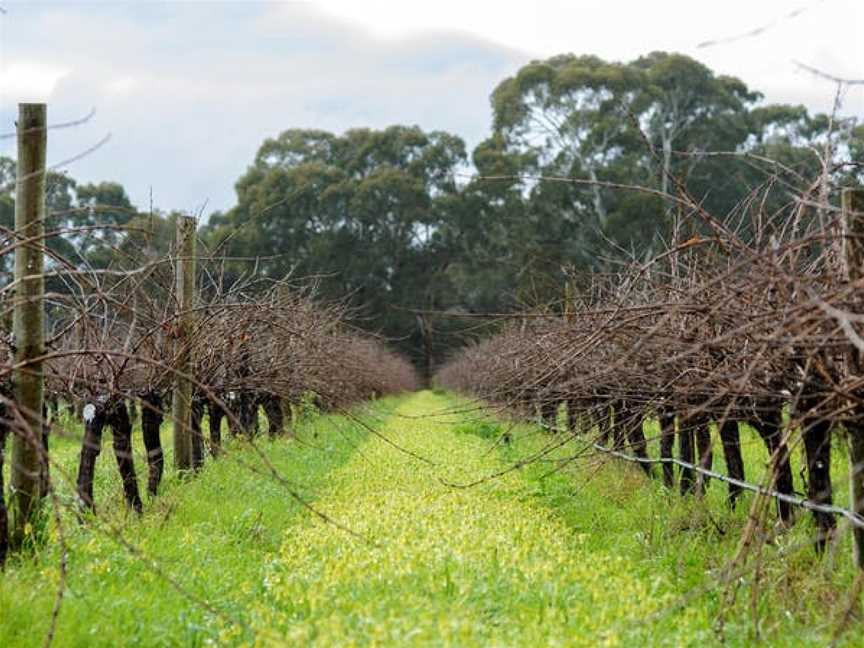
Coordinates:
column 189, row 90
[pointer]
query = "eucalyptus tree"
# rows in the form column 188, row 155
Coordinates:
column 684, row 107
column 83, row 220
column 578, row 128
column 362, row 211
column 568, row 116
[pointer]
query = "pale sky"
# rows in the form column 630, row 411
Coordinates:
column 189, row 90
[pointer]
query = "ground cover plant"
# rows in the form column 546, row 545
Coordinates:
column 583, row 554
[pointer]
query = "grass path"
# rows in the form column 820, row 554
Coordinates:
column 489, row 565
column 583, row 556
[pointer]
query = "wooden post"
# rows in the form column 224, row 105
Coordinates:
column 852, row 203
column 28, row 318
column 185, row 287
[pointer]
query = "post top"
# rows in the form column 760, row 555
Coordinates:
column 32, row 108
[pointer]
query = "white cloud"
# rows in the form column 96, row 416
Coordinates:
column 121, row 86
column 825, row 34
column 28, row 80
column 190, row 90
column 518, row 25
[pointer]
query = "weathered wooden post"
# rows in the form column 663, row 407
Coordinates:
column 28, row 318
column 185, row 287
column 852, row 203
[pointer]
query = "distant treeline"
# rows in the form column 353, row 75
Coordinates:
column 401, row 220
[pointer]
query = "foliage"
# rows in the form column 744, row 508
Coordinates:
column 83, row 221
column 580, row 171
column 361, row 210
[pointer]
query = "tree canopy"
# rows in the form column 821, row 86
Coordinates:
column 577, row 172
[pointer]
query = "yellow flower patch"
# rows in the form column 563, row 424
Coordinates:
column 441, row 565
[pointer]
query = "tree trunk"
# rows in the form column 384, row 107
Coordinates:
column 549, row 413
column 638, row 443
column 197, row 435
column 686, row 453
column 817, row 445
column 597, row 198
column 769, row 424
column 585, row 421
column 275, row 416
column 91, row 446
column 245, row 411
column 45, row 466
column 667, row 444
column 249, row 413
column 603, row 426
column 572, row 417
column 52, row 407
column 152, row 417
column 216, row 416
column 730, row 437
column 619, row 414
column 667, row 164
column 705, row 453
column 121, row 429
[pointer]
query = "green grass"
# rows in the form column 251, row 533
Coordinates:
column 212, row 536
column 579, row 553
column 685, row 544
